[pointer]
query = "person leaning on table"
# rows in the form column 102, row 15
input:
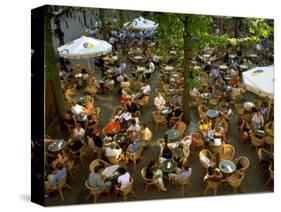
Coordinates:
column 97, row 181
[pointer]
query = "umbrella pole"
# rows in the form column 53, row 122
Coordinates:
column 89, row 66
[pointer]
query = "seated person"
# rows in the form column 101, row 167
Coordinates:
column 78, row 133
column 113, row 127
column 194, row 92
column 159, row 102
column 91, row 123
column 97, row 142
column 177, row 112
column 216, row 177
column 153, row 172
column 204, row 126
column 132, row 107
column 77, row 109
column 226, row 112
column 181, row 174
column 145, row 89
column 113, row 151
column 69, row 120
column 176, row 100
column 97, row 181
column 58, row 174
column 222, row 124
column 62, row 158
column 124, row 178
column 133, row 126
column 124, row 96
column 134, row 147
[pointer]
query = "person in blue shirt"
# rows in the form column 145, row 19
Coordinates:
column 58, row 174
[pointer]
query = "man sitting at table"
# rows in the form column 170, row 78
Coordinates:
column 58, row 174
column 134, row 147
column 217, row 177
column 97, row 141
column 181, row 174
column 146, row 135
column 204, row 126
column 77, row 109
column 97, row 181
column 113, row 151
column 113, row 127
column 159, row 102
column 124, row 178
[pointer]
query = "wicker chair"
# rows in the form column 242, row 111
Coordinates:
column 115, row 161
column 159, row 118
column 262, row 153
column 228, row 152
column 98, row 162
column 183, row 183
column 126, row 191
column 81, row 153
column 181, row 127
column 235, row 180
column 116, row 109
column 135, row 156
column 214, row 101
column 148, row 182
column 244, row 162
column 58, row 187
column 95, row 192
column 271, row 175
column 270, row 131
column 143, row 102
column 256, row 142
column 175, row 119
column 213, row 186
column 97, row 112
column 207, row 158
column 202, row 109
column 239, row 109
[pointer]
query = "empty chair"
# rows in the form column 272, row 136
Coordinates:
column 256, row 142
column 94, row 192
column 126, row 191
column 207, row 158
column 183, row 183
column 159, row 118
column 213, row 186
column 148, row 182
column 271, row 175
column 235, row 180
column 228, row 152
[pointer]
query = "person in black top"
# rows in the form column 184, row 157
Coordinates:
column 97, row 142
column 132, row 107
column 150, row 169
column 166, row 152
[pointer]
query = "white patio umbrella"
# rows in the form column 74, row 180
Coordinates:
column 84, row 48
column 141, row 24
column 260, row 80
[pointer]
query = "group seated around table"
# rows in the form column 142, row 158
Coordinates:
column 98, row 181
column 153, row 172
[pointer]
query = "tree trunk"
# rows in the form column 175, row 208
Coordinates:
column 51, row 70
column 186, row 72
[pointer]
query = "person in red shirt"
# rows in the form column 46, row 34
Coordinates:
column 112, row 127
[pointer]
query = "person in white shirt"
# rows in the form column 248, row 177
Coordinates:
column 78, row 133
column 151, row 66
column 77, row 109
column 146, row 89
column 113, row 151
column 124, row 178
column 134, row 126
column 257, row 119
column 159, row 102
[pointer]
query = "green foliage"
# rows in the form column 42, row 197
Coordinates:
column 259, row 26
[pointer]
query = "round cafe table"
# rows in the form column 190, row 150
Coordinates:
column 223, row 67
column 169, row 68
column 138, row 57
column 57, row 145
column 244, row 66
column 166, row 111
column 248, row 105
column 227, row 166
column 168, row 165
column 212, row 113
column 172, row 134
